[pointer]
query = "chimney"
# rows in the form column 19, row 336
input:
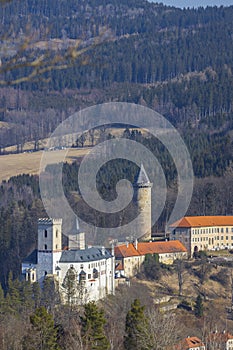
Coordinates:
column 136, row 244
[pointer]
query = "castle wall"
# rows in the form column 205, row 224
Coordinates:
column 93, row 288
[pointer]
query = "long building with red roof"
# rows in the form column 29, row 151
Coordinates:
column 129, row 257
column 203, row 232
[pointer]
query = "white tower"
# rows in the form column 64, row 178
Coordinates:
column 49, row 246
column 76, row 238
column 142, row 198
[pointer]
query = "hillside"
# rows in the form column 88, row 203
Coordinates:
column 177, row 62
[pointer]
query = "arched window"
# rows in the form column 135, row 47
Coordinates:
column 56, row 233
column 45, row 233
column 45, row 246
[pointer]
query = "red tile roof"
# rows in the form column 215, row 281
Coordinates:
column 144, row 248
column 189, row 343
column 200, row 221
column 161, row 247
column 125, row 250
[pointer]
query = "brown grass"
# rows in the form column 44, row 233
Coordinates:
column 29, row 163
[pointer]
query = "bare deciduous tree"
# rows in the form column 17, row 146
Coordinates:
column 160, row 330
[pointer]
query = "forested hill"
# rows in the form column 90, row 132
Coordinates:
column 147, row 42
column 178, row 62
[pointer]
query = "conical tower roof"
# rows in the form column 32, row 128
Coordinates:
column 142, row 177
column 74, row 226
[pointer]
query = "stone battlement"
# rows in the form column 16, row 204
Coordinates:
column 49, row 221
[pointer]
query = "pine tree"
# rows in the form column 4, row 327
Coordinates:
column 27, row 303
column 134, row 325
column 50, row 295
column 198, row 307
column 44, row 334
column 93, row 323
column 13, row 294
column 36, row 294
column 2, row 301
column 70, row 285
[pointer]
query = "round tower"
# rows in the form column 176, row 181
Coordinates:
column 142, row 198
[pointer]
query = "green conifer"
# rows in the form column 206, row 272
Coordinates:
column 44, row 334
column 134, row 325
column 198, row 307
column 93, row 323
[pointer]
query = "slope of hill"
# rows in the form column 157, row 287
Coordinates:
column 178, row 62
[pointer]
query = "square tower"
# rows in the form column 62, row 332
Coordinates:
column 49, row 246
column 49, row 234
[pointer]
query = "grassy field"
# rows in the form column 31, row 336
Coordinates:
column 29, row 163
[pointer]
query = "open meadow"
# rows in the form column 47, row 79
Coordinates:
column 29, row 163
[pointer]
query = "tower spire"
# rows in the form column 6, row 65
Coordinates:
column 76, row 238
column 142, row 177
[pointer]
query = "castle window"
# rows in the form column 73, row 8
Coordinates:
column 45, row 246
column 56, row 246
column 45, row 273
column 82, row 276
column 56, row 233
column 33, row 276
column 45, row 233
column 95, row 273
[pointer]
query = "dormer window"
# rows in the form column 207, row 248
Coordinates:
column 95, row 273
column 82, row 276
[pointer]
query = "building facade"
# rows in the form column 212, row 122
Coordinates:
column 219, row 341
column 91, row 269
column 131, row 256
column 203, row 232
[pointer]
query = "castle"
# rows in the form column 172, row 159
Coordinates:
column 92, row 270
